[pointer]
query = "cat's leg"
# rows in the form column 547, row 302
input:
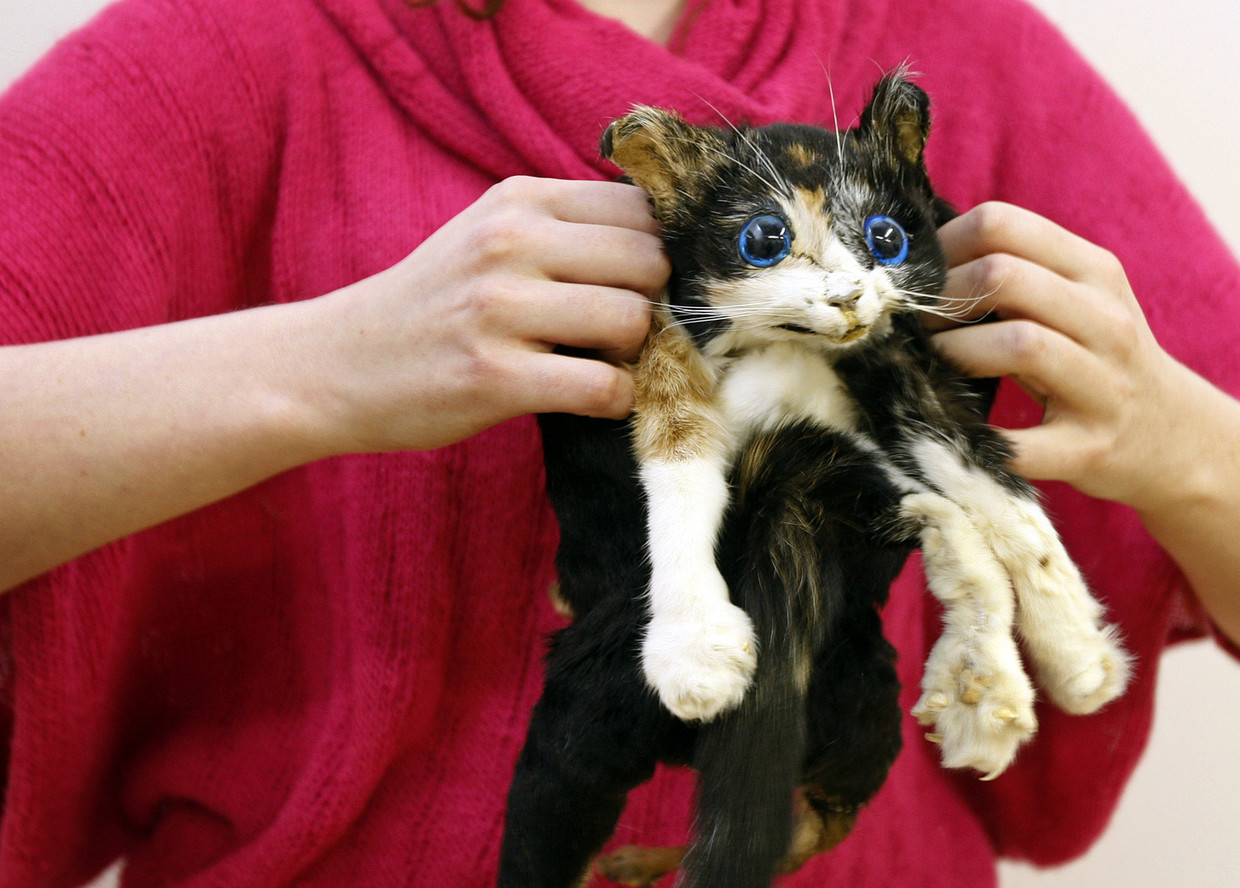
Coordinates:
column 595, row 733
column 698, row 652
column 854, row 714
column 1076, row 655
column 976, row 697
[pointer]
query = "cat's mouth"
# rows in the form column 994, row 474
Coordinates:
column 852, row 334
column 797, row 328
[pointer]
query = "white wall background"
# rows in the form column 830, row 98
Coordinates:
column 1179, row 824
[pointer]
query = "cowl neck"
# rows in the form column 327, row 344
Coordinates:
column 531, row 90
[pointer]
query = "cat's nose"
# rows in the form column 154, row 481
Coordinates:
column 843, row 290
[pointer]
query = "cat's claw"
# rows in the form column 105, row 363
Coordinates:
column 978, row 720
column 700, row 666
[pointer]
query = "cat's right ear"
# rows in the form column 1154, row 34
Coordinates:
column 662, row 153
column 899, row 116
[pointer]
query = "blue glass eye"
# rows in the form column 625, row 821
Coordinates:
column 886, row 239
column 765, row 240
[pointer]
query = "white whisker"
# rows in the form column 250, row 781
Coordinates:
column 952, row 308
column 835, row 117
column 778, row 189
column 762, row 155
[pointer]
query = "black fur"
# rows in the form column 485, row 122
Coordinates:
column 810, row 576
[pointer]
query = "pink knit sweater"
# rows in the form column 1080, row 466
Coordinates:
column 325, row 680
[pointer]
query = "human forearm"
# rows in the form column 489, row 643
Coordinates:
column 103, row 436
column 106, row 435
column 1197, row 521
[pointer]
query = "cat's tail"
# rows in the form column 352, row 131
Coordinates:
column 750, row 759
column 749, row 762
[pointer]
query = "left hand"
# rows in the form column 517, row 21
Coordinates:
column 1070, row 332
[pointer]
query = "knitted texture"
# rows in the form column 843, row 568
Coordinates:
column 325, row 680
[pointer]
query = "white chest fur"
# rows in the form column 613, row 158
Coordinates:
column 784, row 383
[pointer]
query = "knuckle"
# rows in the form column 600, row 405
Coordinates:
column 1093, row 456
column 602, row 392
column 499, row 239
column 1025, row 341
column 992, row 222
column 1126, row 392
column 1111, row 269
column 488, row 298
column 658, row 264
column 1125, row 332
column 482, row 371
column 993, row 271
column 519, row 190
column 634, row 322
column 647, row 263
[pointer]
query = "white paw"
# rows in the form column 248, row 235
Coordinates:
column 978, row 705
column 1088, row 672
column 1077, row 658
column 700, row 665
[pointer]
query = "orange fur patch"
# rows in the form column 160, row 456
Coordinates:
column 675, row 416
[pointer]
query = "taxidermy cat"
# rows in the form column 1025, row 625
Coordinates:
column 726, row 552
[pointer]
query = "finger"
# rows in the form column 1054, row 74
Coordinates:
column 1046, row 452
column 614, row 257
column 1049, row 365
column 610, row 321
column 1002, row 228
column 556, row 383
column 964, row 300
column 615, row 204
column 1011, row 287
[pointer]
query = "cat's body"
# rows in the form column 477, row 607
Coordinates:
column 795, row 437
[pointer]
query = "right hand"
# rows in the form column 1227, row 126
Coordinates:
column 460, row 335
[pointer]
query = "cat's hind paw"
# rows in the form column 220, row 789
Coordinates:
column 979, row 720
column 700, row 665
column 638, row 866
column 1089, row 672
column 977, row 699
column 1077, row 658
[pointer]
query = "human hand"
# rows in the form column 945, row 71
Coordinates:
column 462, row 333
column 1119, row 421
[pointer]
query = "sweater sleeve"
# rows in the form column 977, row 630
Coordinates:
column 133, row 163
column 134, row 186
column 1036, row 127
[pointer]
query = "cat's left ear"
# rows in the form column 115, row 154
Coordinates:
column 899, row 115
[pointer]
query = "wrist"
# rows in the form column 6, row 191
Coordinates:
column 308, row 410
column 1196, row 459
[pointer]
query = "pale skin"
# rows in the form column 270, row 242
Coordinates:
column 104, row 436
column 1123, row 420
column 107, row 435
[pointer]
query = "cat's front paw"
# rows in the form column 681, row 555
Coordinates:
column 701, row 664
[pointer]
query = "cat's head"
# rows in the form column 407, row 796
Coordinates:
column 787, row 232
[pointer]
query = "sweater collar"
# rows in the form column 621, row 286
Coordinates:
column 531, row 90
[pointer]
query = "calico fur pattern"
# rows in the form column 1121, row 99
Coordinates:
column 725, row 554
